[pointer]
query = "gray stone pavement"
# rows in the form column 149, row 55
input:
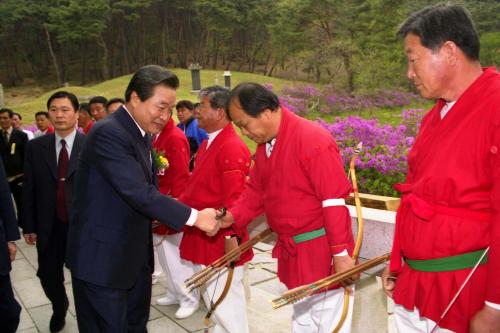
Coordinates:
column 370, row 314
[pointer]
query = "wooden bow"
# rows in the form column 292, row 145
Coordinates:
column 227, row 285
column 359, row 237
column 214, row 305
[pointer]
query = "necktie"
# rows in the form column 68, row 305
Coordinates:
column 62, row 169
column 147, row 140
column 5, row 136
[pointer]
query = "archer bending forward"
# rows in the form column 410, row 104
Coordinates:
column 299, row 182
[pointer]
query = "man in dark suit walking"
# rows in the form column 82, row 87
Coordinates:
column 12, row 146
column 110, row 251
column 49, row 173
column 9, row 308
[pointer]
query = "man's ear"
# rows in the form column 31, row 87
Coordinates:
column 134, row 99
column 266, row 114
column 221, row 113
column 450, row 50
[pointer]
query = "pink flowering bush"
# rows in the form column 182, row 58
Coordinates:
column 304, row 99
column 382, row 162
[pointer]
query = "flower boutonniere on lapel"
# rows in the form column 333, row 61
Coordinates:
column 161, row 162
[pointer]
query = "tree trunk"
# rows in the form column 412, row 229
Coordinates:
column 216, row 51
column 83, row 63
column 52, row 54
column 125, row 63
column 104, row 59
column 350, row 72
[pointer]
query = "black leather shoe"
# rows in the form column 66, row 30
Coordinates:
column 57, row 323
column 58, row 320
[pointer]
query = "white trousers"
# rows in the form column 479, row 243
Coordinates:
column 231, row 315
column 321, row 313
column 158, row 270
column 411, row 322
column 176, row 270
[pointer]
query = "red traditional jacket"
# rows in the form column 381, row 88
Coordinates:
column 218, row 178
column 174, row 145
column 87, row 128
column 290, row 186
column 451, row 206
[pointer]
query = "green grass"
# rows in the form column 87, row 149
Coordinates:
column 116, row 88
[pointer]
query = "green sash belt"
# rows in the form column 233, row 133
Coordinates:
column 452, row 263
column 309, row 235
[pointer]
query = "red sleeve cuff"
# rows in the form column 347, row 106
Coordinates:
column 336, row 249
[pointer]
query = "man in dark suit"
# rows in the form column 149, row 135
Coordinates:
column 12, row 146
column 49, row 173
column 110, row 251
column 9, row 308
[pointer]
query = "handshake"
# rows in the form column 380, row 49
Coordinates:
column 211, row 220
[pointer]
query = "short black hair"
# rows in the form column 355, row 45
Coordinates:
column 98, row 100
column 42, row 113
column 9, row 111
column 85, row 107
column 218, row 97
column 64, row 94
column 195, row 105
column 254, row 98
column 18, row 115
column 184, row 104
column 440, row 23
column 147, row 78
column 115, row 100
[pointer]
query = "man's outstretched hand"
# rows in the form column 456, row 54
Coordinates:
column 207, row 221
column 225, row 219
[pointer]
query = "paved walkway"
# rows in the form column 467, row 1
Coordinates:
column 370, row 311
column 264, row 286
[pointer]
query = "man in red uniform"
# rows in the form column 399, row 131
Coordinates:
column 219, row 175
column 299, row 182
column 172, row 144
column 450, row 210
column 85, row 121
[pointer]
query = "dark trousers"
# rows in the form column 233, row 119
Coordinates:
column 9, row 308
column 102, row 309
column 50, row 268
column 17, row 192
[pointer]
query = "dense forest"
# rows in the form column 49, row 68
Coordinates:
column 349, row 44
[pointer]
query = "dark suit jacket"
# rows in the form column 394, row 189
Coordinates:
column 40, row 185
column 8, row 224
column 109, row 239
column 13, row 162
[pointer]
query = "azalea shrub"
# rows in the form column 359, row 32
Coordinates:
column 383, row 159
column 304, row 99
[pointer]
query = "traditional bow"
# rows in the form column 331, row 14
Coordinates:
column 227, row 285
column 359, row 237
column 226, row 261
